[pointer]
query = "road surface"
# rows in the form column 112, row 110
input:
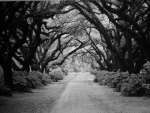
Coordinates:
column 83, row 96
column 77, row 93
column 76, row 97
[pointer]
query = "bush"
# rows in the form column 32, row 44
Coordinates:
column 98, row 76
column 34, row 79
column 132, row 86
column 5, row 91
column 65, row 71
column 19, row 81
column 129, row 85
column 147, row 88
column 103, row 77
column 116, row 80
column 94, row 72
column 57, row 74
column 111, row 79
column 46, row 79
column 20, row 73
column 24, row 81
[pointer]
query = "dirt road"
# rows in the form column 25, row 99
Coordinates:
column 76, row 94
column 76, row 97
column 83, row 96
column 39, row 101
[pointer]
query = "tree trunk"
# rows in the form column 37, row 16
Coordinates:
column 8, row 77
column 139, row 62
column 26, row 66
column 29, row 57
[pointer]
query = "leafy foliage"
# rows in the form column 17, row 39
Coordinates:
column 20, row 82
column 128, row 85
column 145, row 72
column 46, row 79
column 34, row 79
column 65, row 71
column 24, row 81
column 4, row 91
column 132, row 86
column 57, row 74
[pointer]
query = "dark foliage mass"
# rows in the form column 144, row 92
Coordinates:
column 24, row 81
column 128, row 85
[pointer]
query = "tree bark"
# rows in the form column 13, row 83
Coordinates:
column 6, row 66
column 139, row 62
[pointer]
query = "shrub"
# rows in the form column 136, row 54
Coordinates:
column 146, row 77
column 20, row 73
column 98, row 76
column 104, row 77
column 57, row 74
column 117, row 80
column 94, row 72
column 5, row 91
column 24, row 81
column 129, row 85
column 132, row 86
column 46, row 79
column 65, row 71
column 145, row 72
column 147, row 89
column 19, row 80
column 20, row 83
column 34, row 79
column 111, row 79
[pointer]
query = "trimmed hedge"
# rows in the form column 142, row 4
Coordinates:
column 132, row 86
column 128, row 85
column 46, row 79
column 34, row 79
column 24, row 81
column 57, row 74
column 20, row 82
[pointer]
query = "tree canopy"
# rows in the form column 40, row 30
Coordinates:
column 106, row 34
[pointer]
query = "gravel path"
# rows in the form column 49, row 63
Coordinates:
column 75, row 94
